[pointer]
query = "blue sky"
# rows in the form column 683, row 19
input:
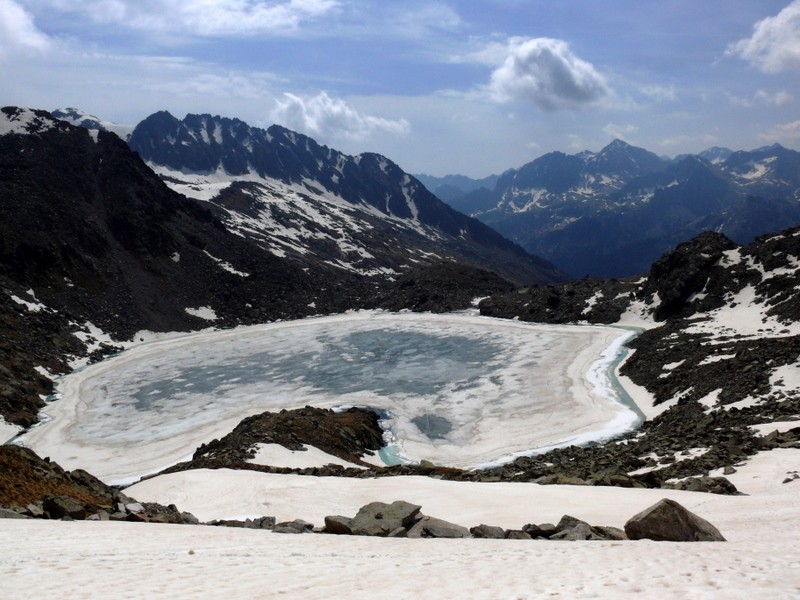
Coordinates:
column 459, row 86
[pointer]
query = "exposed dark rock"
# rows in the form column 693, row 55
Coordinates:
column 58, row 507
column 543, row 530
column 380, row 519
column 338, row 525
column 442, row 288
column 429, row 527
column 669, row 521
column 349, row 435
column 296, row 526
column 517, row 534
column 713, row 485
column 487, row 531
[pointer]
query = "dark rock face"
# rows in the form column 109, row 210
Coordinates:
column 441, row 288
column 683, row 272
column 669, row 521
column 599, row 301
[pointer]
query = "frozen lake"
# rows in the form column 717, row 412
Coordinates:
column 459, row 390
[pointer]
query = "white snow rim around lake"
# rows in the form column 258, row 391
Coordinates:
column 461, row 390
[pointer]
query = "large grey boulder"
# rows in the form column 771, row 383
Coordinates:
column 59, row 507
column 338, row 525
column 381, row 519
column 669, row 521
column 429, row 527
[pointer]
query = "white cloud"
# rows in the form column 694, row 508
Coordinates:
column 622, row 132
column 545, row 73
column 659, row 93
column 786, row 133
column 781, row 98
column 18, row 31
column 233, row 85
column 213, row 18
column 327, row 118
column 775, row 43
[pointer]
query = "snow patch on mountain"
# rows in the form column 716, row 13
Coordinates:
column 24, row 121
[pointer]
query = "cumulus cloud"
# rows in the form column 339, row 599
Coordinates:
column 785, row 133
column 328, row 118
column 545, row 73
column 775, row 43
column 201, row 17
column 18, row 31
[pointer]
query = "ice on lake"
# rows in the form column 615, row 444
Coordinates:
column 458, row 390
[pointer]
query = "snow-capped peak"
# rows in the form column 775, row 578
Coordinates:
column 77, row 117
column 25, row 121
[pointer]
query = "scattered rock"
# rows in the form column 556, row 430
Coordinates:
column 517, row 534
column 380, row 519
column 338, row 525
column 669, row 521
column 544, row 530
column 10, row 514
column 488, row 531
column 58, row 507
column 429, row 527
column 296, row 526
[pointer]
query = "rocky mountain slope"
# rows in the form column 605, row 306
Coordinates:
column 612, row 213
column 360, row 214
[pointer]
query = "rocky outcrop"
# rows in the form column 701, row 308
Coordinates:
column 670, row 522
column 349, row 435
column 441, row 288
column 36, row 487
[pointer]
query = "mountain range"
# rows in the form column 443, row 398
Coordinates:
column 613, row 212
column 307, row 202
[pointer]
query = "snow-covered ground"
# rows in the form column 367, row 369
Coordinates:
column 7, row 430
column 761, row 558
column 461, row 390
